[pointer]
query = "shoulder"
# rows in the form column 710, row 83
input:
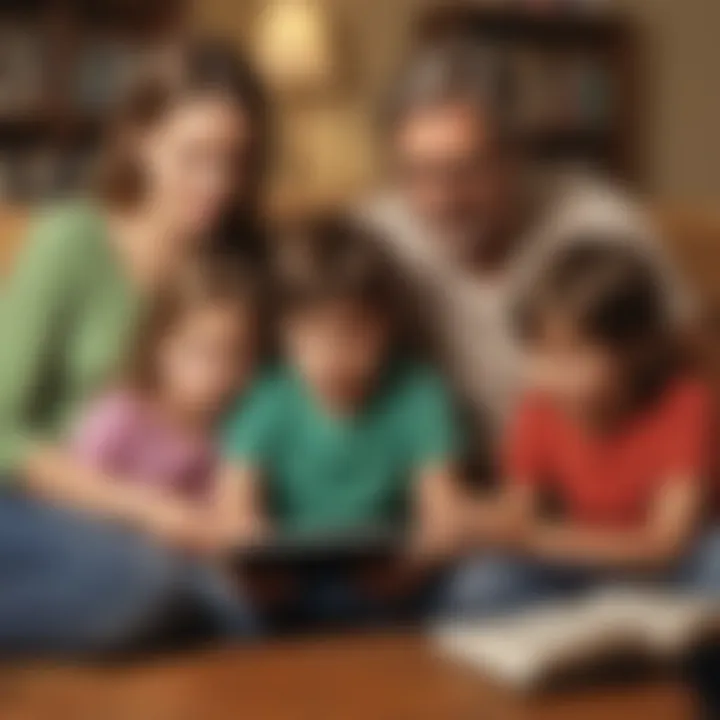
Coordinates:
column 536, row 403
column 384, row 211
column 72, row 222
column 58, row 256
column 685, row 398
column 272, row 386
column 109, row 418
column 117, row 407
column 578, row 206
column 63, row 236
column 252, row 426
column 398, row 230
column 267, row 397
column 589, row 202
column 415, row 382
column 535, row 415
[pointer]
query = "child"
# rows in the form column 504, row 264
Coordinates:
column 613, row 429
column 195, row 353
column 345, row 434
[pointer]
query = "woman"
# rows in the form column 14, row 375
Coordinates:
column 79, row 566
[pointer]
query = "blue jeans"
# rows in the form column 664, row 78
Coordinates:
column 71, row 584
column 338, row 599
column 227, row 612
column 495, row 585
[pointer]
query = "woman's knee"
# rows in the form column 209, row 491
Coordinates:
column 73, row 584
column 128, row 587
column 138, row 591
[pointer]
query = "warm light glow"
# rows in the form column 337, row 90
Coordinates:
column 294, row 45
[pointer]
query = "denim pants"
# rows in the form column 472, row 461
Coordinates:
column 72, row 584
column 336, row 599
column 492, row 585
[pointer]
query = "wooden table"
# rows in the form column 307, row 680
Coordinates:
column 344, row 678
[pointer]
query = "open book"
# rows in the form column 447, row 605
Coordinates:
column 536, row 647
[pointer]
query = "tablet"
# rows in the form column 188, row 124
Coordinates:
column 339, row 548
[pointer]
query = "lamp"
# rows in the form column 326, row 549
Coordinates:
column 320, row 139
column 294, row 46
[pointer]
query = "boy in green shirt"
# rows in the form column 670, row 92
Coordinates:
column 344, row 435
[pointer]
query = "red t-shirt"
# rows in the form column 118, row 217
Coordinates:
column 612, row 480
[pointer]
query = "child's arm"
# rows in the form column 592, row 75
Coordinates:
column 438, row 500
column 87, row 476
column 57, row 475
column 237, row 508
column 674, row 508
column 248, row 443
column 499, row 520
column 437, row 512
column 658, row 542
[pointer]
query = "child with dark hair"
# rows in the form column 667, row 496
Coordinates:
column 346, row 435
column 613, row 433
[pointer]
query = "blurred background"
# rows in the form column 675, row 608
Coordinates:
column 626, row 86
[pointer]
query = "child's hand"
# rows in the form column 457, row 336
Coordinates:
column 251, row 531
column 495, row 524
column 436, row 542
column 218, row 536
column 178, row 525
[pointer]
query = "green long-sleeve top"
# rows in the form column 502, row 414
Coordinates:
column 66, row 314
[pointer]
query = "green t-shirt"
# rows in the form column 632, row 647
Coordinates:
column 67, row 311
column 322, row 472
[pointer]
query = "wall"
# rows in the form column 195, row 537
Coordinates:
column 372, row 35
column 682, row 101
column 681, row 47
column 376, row 31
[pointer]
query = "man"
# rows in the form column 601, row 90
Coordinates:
column 469, row 225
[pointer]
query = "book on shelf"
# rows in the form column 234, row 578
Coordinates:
column 21, row 70
column 559, row 91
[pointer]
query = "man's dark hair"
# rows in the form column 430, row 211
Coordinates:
column 609, row 291
column 333, row 257
column 456, row 70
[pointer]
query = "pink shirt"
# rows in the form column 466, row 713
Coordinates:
column 122, row 436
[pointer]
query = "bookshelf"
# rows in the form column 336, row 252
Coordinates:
column 63, row 66
column 571, row 78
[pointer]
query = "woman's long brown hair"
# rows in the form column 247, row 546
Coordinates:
column 201, row 66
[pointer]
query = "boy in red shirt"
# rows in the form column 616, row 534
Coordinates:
column 613, row 430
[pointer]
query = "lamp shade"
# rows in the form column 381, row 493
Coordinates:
column 294, row 46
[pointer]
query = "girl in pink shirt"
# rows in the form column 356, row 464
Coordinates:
column 194, row 354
